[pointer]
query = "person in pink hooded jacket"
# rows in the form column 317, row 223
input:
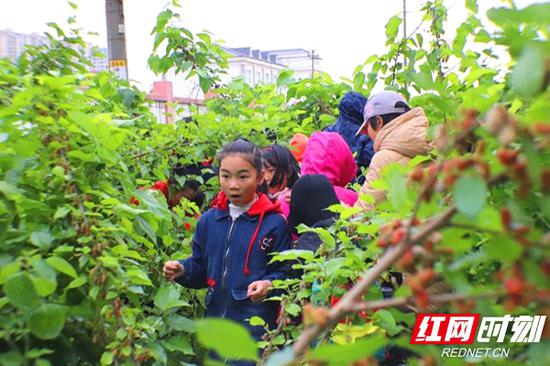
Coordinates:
column 328, row 153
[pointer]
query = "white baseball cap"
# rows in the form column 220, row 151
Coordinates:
column 380, row 104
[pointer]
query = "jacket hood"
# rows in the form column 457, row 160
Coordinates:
column 351, row 108
column 262, row 205
column 407, row 134
column 328, row 153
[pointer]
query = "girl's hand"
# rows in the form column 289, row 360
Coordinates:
column 287, row 196
column 172, row 270
column 258, row 290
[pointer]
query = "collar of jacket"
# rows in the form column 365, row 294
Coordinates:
column 262, row 206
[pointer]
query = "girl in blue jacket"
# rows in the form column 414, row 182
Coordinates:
column 233, row 243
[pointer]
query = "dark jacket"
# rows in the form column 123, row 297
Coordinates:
column 310, row 240
column 229, row 255
column 348, row 122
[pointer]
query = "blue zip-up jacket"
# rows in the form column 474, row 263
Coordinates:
column 349, row 120
column 229, row 255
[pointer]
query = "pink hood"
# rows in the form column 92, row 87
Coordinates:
column 328, row 153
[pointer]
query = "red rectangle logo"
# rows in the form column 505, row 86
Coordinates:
column 445, row 329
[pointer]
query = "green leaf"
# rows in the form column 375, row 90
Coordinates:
column 11, row 358
column 37, row 352
column 138, row 277
column 61, row 212
column 284, row 77
column 107, row 358
column 205, row 83
column 345, row 355
column 47, row 321
column 11, row 192
column 528, row 75
column 85, row 157
column 9, row 269
column 42, row 362
column 294, row 254
column 108, row 261
column 470, row 194
column 19, row 289
column 503, row 249
column 77, row 282
column 44, row 286
column 181, row 323
column 168, row 297
column 333, row 265
column 256, row 321
column 536, row 13
column 158, row 353
column 58, row 171
column 418, row 159
column 179, row 344
column 385, row 319
column 293, row 309
column 472, row 5
column 397, row 184
column 61, row 265
column 226, row 337
column 392, row 28
column 41, row 239
column 423, row 79
column 358, row 81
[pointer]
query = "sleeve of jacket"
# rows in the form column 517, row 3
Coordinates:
column 277, row 270
column 378, row 161
column 194, row 273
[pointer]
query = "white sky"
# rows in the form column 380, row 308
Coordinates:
column 344, row 33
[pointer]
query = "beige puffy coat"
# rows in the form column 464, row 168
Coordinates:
column 396, row 142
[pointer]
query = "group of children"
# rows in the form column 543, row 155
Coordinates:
column 235, row 238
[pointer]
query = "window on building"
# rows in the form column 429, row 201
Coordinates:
column 248, row 76
column 267, row 78
column 258, row 77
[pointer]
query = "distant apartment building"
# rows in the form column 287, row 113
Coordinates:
column 256, row 66
column 98, row 57
column 12, row 45
column 298, row 60
column 253, row 66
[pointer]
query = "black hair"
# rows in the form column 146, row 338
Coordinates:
column 199, row 198
column 189, row 171
column 387, row 118
column 284, row 163
column 245, row 147
column 303, row 209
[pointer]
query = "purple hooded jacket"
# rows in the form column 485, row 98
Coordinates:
column 328, row 153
